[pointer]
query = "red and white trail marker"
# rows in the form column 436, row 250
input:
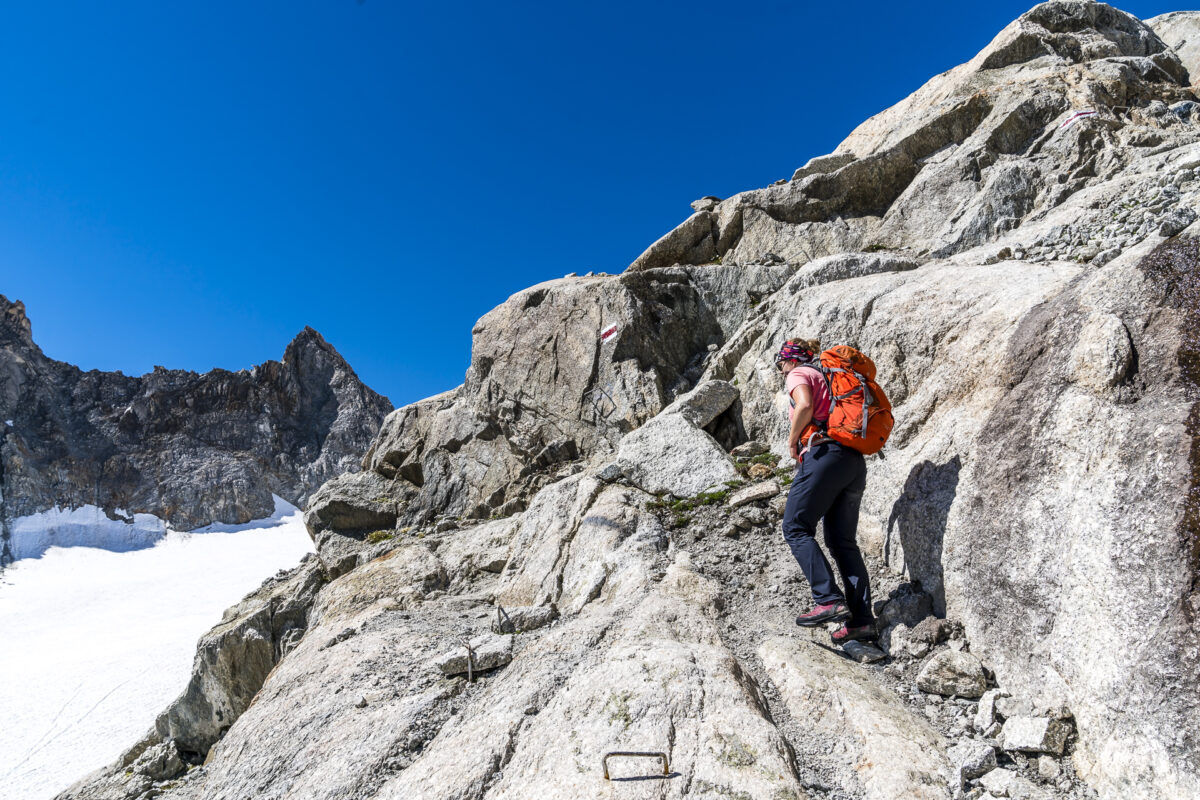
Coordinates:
column 608, row 332
column 1078, row 115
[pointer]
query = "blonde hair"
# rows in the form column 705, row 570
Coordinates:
column 806, row 344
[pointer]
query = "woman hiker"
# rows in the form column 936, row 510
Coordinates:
column 829, row 484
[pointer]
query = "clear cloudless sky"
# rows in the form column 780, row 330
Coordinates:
column 191, row 183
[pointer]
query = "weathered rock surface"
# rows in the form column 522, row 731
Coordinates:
column 952, row 673
column 484, row 653
column 522, row 619
column 1035, row 735
column 673, row 453
column 985, row 712
column 1180, row 30
column 545, row 387
column 1005, row 266
column 970, row 759
column 754, row 493
column 1006, row 783
column 896, row 754
column 963, row 160
column 910, row 609
column 191, row 449
column 232, row 662
column 749, row 450
column 234, row 658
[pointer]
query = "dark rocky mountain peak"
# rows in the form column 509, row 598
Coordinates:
column 14, row 324
column 190, row 448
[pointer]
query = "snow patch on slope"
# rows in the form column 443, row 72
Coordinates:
column 89, row 526
column 94, row 643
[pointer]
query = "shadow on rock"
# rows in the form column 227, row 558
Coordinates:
column 918, row 523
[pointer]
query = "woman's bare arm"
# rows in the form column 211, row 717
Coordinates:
column 801, row 416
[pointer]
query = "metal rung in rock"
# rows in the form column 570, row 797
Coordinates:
column 635, row 754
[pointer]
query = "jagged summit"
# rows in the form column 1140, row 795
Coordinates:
column 190, row 448
column 1013, row 245
column 14, row 323
column 309, row 338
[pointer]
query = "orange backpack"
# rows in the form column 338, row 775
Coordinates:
column 860, row 416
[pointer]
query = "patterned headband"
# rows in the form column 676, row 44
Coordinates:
column 793, row 352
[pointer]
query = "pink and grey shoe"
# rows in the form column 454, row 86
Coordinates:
column 857, row 633
column 828, row 612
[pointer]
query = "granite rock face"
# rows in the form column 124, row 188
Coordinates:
column 1008, row 264
column 560, row 373
column 191, row 449
column 965, row 159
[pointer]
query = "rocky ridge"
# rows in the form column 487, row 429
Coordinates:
column 190, row 449
column 1024, row 277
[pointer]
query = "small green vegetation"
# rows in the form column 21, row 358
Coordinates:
column 711, row 789
column 770, row 459
column 735, row 484
column 735, row 752
column 875, row 248
column 617, row 707
column 375, row 537
column 680, row 520
column 702, row 499
column 786, row 473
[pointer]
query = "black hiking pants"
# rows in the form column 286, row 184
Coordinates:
column 829, row 484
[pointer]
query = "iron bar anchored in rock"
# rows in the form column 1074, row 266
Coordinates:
column 470, row 660
column 635, row 754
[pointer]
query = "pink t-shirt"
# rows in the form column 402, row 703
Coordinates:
column 811, row 377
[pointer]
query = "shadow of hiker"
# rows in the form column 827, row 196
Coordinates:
column 917, row 526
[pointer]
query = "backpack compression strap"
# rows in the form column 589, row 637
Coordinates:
column 862, row 387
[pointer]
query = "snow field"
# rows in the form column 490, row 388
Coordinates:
column 95, row 644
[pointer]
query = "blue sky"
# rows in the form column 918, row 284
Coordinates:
column 190, row 184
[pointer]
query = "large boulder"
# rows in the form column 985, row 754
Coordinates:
column 895, row 752
column 672, row 453
column 346, row 510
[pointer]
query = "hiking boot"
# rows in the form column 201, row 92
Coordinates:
column 828, row 612
column 857, row 633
